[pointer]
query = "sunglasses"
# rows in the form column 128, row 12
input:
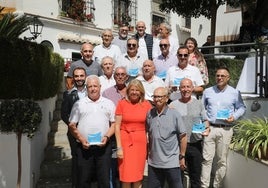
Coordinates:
column 163, row 45
column 131, row 45
column 182, row 55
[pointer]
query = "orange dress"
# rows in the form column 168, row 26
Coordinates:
column 133, row 139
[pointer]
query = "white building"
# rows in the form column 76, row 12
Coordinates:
column 66, row 35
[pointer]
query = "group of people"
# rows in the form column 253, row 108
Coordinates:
column 132, row 99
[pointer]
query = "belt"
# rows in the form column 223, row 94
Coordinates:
column 220, row 125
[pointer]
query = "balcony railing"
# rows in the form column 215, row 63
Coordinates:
column 78, row 10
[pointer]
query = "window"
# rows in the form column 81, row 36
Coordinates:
column 80, row 10
column 188, row 22
column 124, row 12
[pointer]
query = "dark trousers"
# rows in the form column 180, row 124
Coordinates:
column 158, row 176
column 114, row 174
column 73, row 146
column 94, row 162
column 193, row 157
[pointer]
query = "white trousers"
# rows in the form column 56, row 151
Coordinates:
column 216, row 143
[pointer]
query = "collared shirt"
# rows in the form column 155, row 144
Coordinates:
column 92, row 69
column 121, row 43
column 105, row 82
column 101, row 51
column 164, row 130
column 162, row 64
column 175, row 74
column 93, row 116
column 133, row 65
column 228, row 100
column 151, row 85
column 174, row 45
column 113, row 94
column 142, row 47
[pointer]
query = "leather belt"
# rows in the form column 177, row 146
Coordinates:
column 220, row 125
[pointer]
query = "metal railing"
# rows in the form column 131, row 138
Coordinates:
column 257, row 49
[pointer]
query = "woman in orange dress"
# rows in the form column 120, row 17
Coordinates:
column 130, row 117
column 196, row 58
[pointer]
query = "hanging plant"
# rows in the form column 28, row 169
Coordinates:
column 77, row 10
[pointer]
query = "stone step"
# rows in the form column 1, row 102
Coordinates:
column 56, row 169
column 53, row 153
column 57, row 138
column 57, row 114
column 54, row 183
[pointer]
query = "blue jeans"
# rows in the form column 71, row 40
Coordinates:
column 94, row 162
column 158, row 176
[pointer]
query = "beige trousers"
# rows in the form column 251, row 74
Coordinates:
column 216, row 144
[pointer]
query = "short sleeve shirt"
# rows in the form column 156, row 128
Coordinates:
column 93, row 116
column 164, row 131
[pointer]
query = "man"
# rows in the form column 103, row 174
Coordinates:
column 95, row 115
column 106, row 48
column 167, row 143
column 118, row 91
column 107, row 79
column 115, row 94
column 165, row 33
column 223, row 105
column 149, row 80
column 91, row 67
column 145, row 40
column 121, row 39
column 132, row 60
column 207, row 43
column 165, row 60
column 183, row 70
column 69, row 98
column 197, row 126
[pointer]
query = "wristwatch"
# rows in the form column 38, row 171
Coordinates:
column 181, row 157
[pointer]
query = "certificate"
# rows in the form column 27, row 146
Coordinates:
column 198, row 128
column 223, row 114
column 94, row 139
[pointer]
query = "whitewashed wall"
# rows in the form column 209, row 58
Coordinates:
column 32, row 151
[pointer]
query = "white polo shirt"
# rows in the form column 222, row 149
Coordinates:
column 101, row 51
column 93, row 116
column 150, row 86
column 176, row 74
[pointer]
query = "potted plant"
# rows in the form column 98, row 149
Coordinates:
column 21, row 117
column 252, row 137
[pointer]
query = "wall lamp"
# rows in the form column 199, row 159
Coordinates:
column 35, row 27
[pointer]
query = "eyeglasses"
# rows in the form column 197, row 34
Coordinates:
column 221, row 76
column 108, row 36
column 120, row 74
column 182, row 55
column 131, row 45
column 124, row 30
column 163, row 45
column 158, row 96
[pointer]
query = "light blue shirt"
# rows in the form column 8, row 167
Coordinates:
column 228, row 100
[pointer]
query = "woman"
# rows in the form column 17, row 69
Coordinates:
column 196, row 58
column 165, row 30
column 130, row 117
